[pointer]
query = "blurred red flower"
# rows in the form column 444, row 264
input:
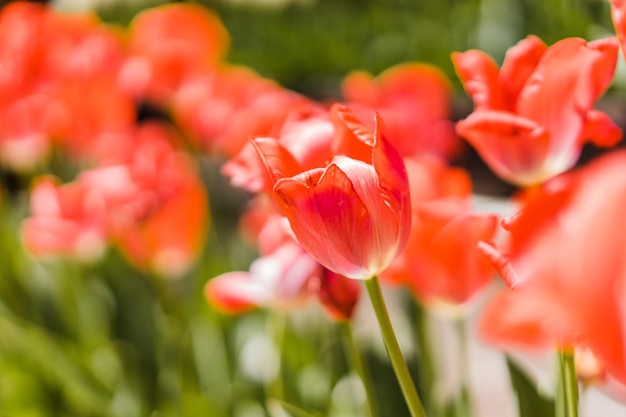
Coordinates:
column 414, row 100
column 222, row 109
column 169, row 44
column 440, row 263
column 566, row 267
column 134, row 199
column 533, row 115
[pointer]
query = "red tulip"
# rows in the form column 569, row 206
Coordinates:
column 67, row 220
column 352, row 215
column 533, row 115
column 440, row 262
column 566, row 265
column 167, row 45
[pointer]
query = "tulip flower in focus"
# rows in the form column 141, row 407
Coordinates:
column 532, row 116
column 352, row 215
column 415, row 102
column 566, row 268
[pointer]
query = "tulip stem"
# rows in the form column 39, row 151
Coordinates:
column 464, row 402
column 398, row 363
column 426, row 358
column 567, row 392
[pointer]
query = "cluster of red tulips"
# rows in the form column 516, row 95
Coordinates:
column 343, row 195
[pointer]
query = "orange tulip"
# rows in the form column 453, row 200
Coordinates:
column 168, row 44
column 414, row 100
column 352, row 215
column 533, row 115
column 440, row 262
column 566, row 266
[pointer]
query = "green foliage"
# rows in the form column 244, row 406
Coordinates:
column 309, row 46
column 531, row 402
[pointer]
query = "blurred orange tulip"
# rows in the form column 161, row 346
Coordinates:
column 533, row 115
column 566, row 267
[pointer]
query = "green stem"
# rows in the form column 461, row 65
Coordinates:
column 464, row 402
column 393, row 349
column 277, row 328
column 427, row 376
column 567, row 392
column 359, row 364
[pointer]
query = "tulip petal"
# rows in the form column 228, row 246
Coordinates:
column 519, row 63
column 329, row 220
column 459, row 271
column 514, row 147
column 236, row 293
column 278, row 161
column 480, row 76
column 600, row 130
column 564, row 86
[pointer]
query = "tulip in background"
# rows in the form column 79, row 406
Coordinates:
column 564, row 292
column 532, row 116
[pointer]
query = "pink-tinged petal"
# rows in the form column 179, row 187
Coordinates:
column 287, row 273
column 501, row 263
column 169, row 240
column 480, row 77
column 235, row 293
column 567, row 82
column 278, row 161
column 330, row 221
column 600, row 130
column 514, row 147
column 308, row 134
column 247, row 170
column 519, row 63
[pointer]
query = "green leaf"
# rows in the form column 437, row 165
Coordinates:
column 531, row 402
column 291, row 410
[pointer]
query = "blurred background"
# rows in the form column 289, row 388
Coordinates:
column 109, row 340
column 309, row 46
